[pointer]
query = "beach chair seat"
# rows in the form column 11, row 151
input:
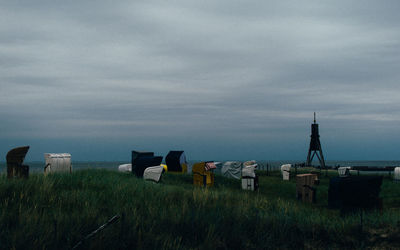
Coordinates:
column 250, row 183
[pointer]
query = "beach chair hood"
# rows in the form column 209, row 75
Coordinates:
column 176, row 161
column 249, row 163
column 137, row 154
column 15, row 157
column 232, row 169
column 249, row 171
column 286, row 167
column 153, row 173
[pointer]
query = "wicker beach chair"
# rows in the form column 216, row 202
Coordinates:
column 176, row 161
column 143, row 160
column 249, row 177
column 285, row 169
column 203, row 174
column 60, row 162
column 305, row 187
column 15, row 157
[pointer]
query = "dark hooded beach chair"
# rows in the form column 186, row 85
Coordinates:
column 143, row 160
column 355, row 192
column 176, row 161
column 15, row 157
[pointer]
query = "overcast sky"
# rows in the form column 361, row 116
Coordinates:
column 219, row 79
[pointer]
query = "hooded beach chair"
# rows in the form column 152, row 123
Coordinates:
column 305, row 187
column 203, row 175
column 153, row 173
column 57, row 163
column 285, row 169
column 355, row 192
column 344, row 171
column 125, row 167
column 143, row 160
column 176, row 161
column 135, row 156
column 249, row 178
column 15, row 157
column 396, row 175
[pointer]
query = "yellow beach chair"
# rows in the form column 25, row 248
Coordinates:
column 203, row 174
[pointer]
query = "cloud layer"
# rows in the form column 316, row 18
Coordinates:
column 221, row 79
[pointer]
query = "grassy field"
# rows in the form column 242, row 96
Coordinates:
column 59, row 210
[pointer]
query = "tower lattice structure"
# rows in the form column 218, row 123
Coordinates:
column 315, row 146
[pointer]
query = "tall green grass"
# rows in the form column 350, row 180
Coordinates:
column 58, row 210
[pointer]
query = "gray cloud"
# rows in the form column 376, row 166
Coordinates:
column 188, row 71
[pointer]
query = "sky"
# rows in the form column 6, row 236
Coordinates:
column 219, row 79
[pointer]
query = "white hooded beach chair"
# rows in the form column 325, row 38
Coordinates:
column 249, row 178
column 125, row 168
column 153, row 173
column 344, row 171
column 285, row 169
column 397, row 173
column 60, row 162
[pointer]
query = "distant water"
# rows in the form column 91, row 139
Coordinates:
column 37, row 167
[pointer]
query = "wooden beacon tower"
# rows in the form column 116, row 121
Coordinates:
column 315, row 146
